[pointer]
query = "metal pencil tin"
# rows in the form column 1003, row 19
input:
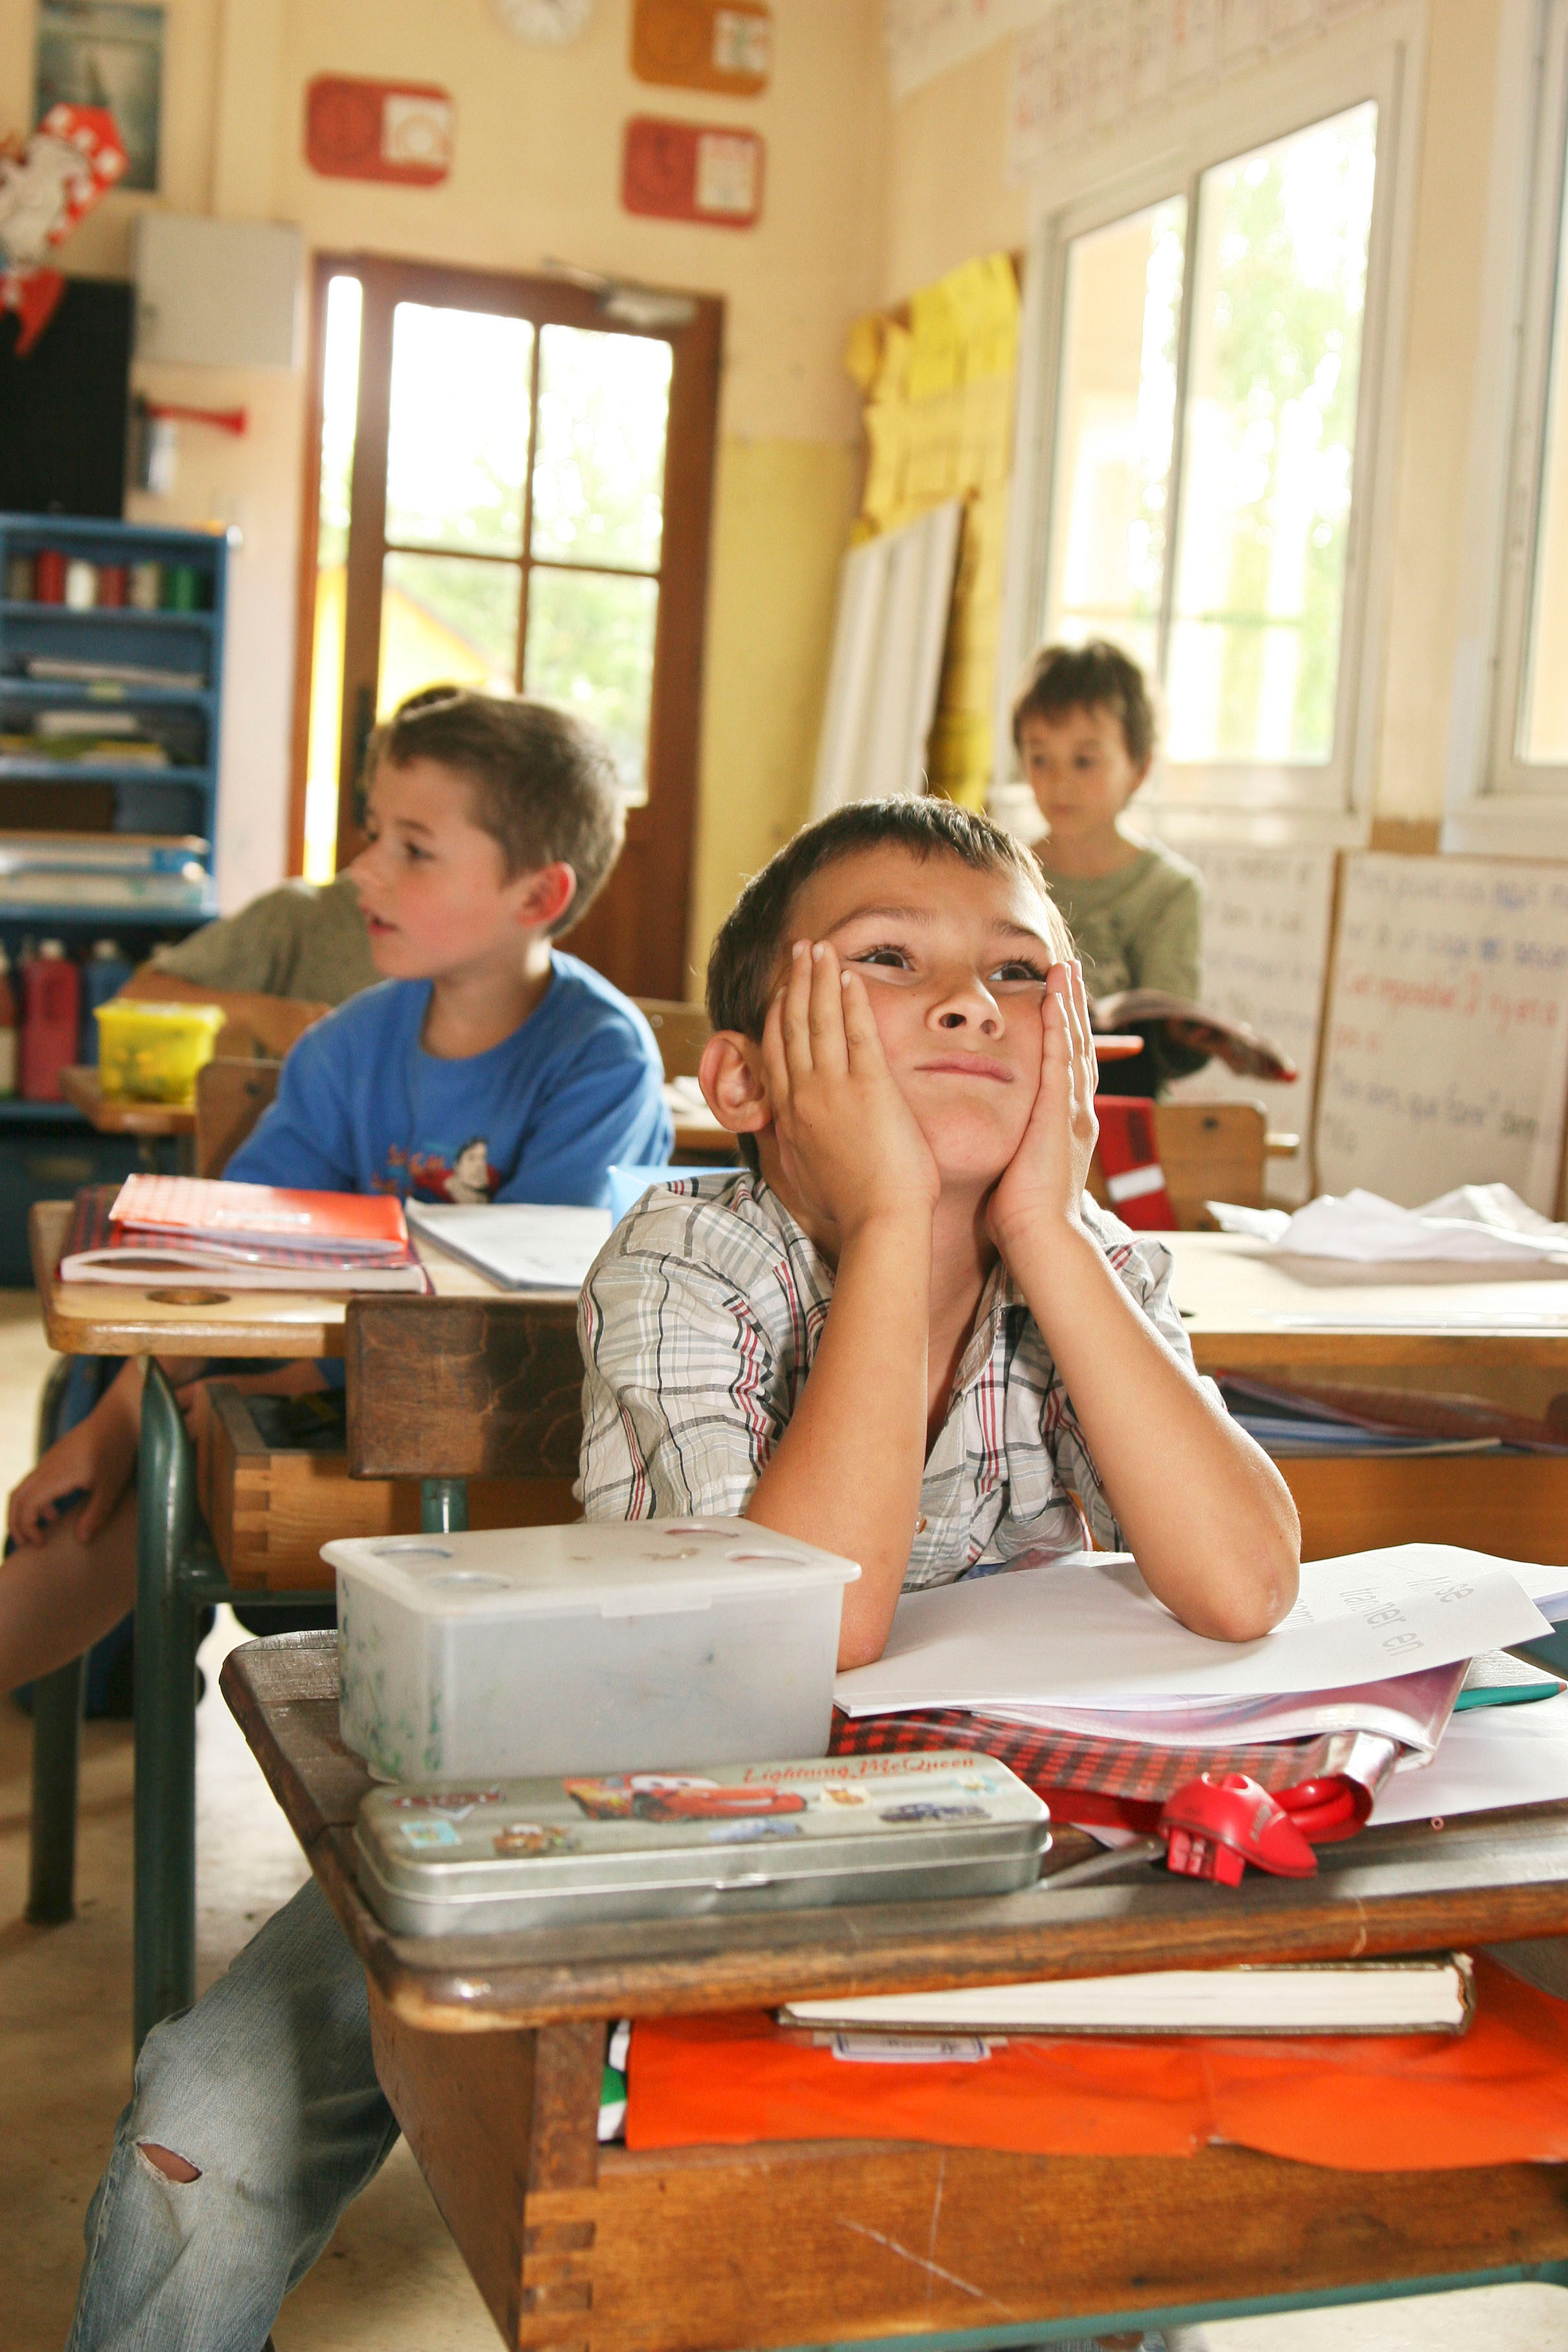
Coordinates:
column 521, row 1854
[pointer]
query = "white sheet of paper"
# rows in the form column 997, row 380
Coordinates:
column 1087, row 1629
column 1476, row 1224
column 522, row 1246
column 1488, row 1758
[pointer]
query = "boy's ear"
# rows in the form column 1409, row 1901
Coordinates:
column 735, row 1084
column 547, row 892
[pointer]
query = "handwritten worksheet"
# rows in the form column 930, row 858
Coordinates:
column 1088, row 1630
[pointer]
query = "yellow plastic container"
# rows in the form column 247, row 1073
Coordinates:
column 150, row 1053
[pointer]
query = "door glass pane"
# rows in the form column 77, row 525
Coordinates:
column 1543, row 718
column 340, row 397
column 447, row 620
column 598, row 472
column 1268, row 445
column 1121, row 318
column 457, row 451
column 590, row 647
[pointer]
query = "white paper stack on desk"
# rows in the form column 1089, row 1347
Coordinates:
column 1378, row 1643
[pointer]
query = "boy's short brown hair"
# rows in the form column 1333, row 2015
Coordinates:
column 1096, row 676
column 753, row 936
column 544, row 784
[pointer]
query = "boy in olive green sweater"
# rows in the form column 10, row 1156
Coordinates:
column 1084, row 727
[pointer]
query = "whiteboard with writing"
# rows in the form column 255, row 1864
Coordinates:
column 1265, row 959
column 1447, row 1058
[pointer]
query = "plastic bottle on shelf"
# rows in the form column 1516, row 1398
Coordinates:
column 8, row 1030
column 52, row 1020
column 104, row 974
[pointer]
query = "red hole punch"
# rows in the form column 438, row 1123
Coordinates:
column 1219, row 1822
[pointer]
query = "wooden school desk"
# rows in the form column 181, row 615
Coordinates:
column 490, row 2048
column 1248, row 1311
column 178, row 1573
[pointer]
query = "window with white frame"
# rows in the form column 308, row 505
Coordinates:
column 1530, row 743
column 1213, row 375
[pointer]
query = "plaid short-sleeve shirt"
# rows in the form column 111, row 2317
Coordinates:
column 698, row 1325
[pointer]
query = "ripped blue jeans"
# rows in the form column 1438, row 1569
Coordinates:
column 268, row 2089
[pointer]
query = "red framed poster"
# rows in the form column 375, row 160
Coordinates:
column 692, row 171
column 398, row 131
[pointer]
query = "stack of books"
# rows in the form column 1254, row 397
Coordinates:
column 252, row 1236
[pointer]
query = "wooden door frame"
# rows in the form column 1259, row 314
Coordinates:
column 661, row 834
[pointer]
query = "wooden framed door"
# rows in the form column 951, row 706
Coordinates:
column 509, row 487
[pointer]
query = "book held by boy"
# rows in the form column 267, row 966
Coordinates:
column 253, row 1236
column 1244, row 1048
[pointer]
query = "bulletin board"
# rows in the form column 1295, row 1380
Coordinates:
column 1446, row 1057
column 938, row 382
column 1267, row 918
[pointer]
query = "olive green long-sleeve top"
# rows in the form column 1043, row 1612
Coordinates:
column 297, row 941
column 1140, row 927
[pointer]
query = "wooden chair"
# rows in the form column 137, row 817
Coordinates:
column 231, row 1095
column 1209, row 1151
column 259, row 1025
column 681, row 1030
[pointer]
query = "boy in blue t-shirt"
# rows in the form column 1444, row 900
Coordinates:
column 485, row 1067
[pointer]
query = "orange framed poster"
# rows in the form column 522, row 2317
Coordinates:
column 721, row 45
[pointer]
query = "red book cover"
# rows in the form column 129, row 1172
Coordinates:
column 196, row 1208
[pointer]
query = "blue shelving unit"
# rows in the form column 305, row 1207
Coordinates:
column 48, row 1148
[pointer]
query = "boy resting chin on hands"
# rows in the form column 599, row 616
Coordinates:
column 902, row 1334
column 906, row 1335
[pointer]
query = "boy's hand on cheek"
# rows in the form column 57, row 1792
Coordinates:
column 849, row 1145
column 1043, row 1184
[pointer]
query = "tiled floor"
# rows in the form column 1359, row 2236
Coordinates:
column 391, row 2280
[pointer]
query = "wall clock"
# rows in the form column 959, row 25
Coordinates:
column 545, row 23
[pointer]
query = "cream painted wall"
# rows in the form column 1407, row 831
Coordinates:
column 1440, row 384
column 536, row 176
column 947, row 197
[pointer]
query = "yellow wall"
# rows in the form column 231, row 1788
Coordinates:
column 537, row 175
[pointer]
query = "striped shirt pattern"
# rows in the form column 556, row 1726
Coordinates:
column 698, row 1324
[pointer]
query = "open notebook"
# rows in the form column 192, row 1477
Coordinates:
column 517, row 1245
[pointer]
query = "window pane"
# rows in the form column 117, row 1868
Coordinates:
column 1121, row 321
column 340, row 400
column 1543, row 719
column 457, row 452
column 590, row 646
column 598, row 473
column 1278, row 298
column 446, row 619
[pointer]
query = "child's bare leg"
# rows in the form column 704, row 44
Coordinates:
column 58, row 1596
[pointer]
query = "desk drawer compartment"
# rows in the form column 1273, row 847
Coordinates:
column 276, row 1487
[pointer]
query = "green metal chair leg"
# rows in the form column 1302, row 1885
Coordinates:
column 57, row 1753
column 165, row 1805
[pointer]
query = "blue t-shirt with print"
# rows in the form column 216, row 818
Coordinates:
column 363, row 1107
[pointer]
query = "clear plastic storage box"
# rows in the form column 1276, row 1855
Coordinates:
column 610, row 1646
